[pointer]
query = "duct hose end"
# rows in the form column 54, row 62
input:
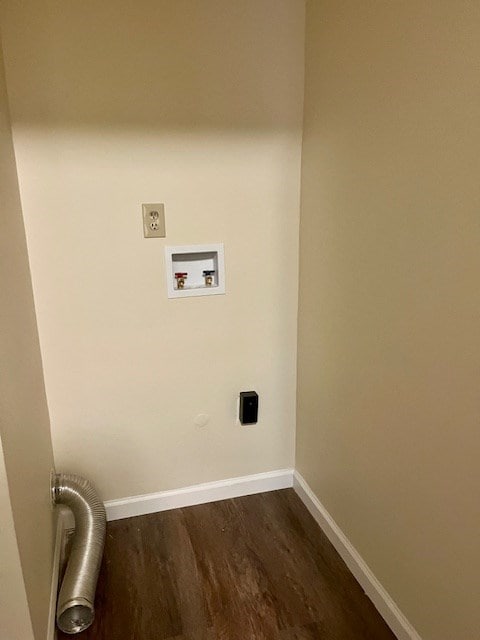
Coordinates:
column 75, row 617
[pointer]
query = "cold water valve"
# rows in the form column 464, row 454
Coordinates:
column 208, row 275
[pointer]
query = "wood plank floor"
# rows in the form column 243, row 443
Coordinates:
column 252, row 568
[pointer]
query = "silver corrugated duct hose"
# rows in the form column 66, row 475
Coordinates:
column 75, row 610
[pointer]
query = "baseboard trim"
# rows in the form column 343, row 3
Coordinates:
column 63, row 519
column 199, row 494
column 385, row 605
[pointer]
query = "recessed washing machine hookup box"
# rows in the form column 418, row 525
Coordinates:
column 195, row 270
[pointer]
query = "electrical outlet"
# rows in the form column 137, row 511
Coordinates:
column 153, row 220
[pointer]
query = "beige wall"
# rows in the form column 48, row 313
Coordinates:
column 389, row 350
column 15, row 623
column 198, row 105
column 24, row 423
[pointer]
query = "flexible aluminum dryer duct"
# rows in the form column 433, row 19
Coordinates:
column 75, row 610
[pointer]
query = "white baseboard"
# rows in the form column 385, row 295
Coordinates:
column 199, row 494
column 362, row 572
column 63, row 520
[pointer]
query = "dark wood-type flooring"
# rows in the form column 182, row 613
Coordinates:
column 252, row 568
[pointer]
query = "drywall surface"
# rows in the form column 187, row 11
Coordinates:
column 15, row 621
column 389, row 350
column 197, row 105
column 24, row 423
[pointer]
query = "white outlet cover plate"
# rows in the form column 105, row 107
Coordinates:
column 193, row 258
